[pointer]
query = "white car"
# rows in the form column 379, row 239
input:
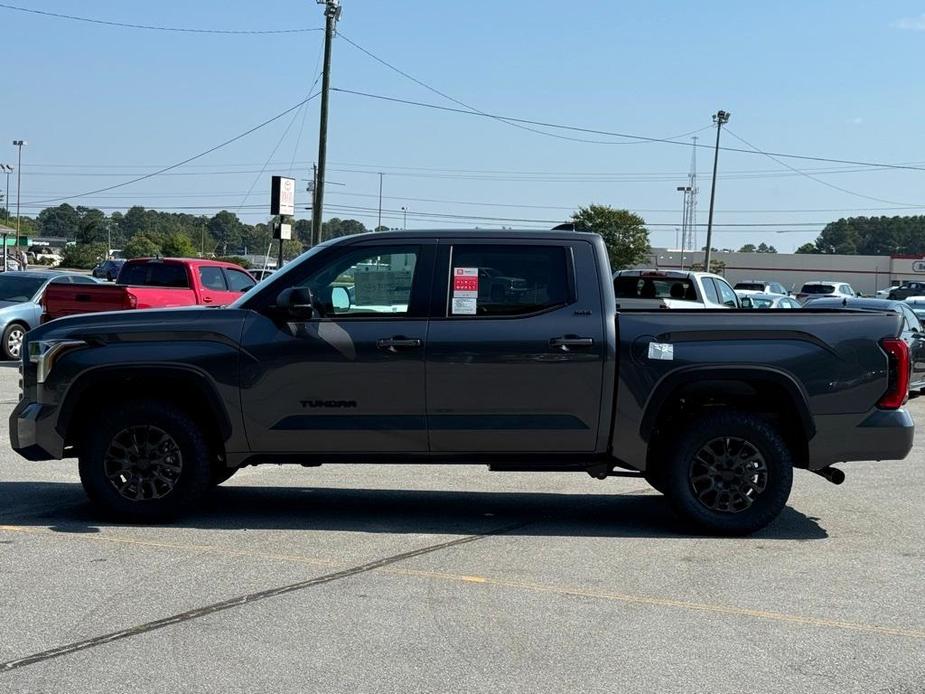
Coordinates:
column 672, row 289
column 761, row 300
column 825, row 288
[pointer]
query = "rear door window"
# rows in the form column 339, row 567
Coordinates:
column 709, row 291
column 498, row 280
column 212, row 278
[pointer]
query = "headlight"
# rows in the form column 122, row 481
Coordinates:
column 44, row 354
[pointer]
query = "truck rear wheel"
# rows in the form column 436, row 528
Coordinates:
column 145, row 462
column 730, row 473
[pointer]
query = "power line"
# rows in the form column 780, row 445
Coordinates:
column 473, row 109
column 149, row 27
column 643, row 138
column 813, row 178
column 185, row 161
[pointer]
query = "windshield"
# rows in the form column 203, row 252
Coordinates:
column 761, row 302
column 750, row 286
column 18, row 288
column 818, row 289
column 681, row 289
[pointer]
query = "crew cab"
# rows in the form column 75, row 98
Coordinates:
column 502, row 348
column 152, row 283
column 672, row 289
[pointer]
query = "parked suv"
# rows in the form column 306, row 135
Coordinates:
column 828, row 288
column 108, row 270
column 761, row 286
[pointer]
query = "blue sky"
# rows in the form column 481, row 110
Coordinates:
column 841, row 79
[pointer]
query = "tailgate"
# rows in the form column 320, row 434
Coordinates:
column 61, row 300
column 161, row 297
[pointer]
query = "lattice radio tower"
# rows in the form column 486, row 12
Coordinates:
column 689, row 206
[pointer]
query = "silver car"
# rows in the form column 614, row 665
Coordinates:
column 19, row 303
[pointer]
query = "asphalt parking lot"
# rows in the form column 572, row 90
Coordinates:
column 409, row 579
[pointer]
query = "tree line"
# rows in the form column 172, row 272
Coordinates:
column 871, row 236
column 140, row 232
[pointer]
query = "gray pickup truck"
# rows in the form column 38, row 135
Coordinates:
column 500, row 348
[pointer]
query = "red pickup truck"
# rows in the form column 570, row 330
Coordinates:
column 151, row 283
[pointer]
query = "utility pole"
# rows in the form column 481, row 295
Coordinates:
column 19, row 144
column 380, row 202
column 720, row 118
column 331, row 15
column 404, row 212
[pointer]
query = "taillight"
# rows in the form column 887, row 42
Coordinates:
column 899, row 371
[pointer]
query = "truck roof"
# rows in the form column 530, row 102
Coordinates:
column 193, row 262
column 470, row 233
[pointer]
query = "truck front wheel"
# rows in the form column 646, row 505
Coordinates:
column 145, row 462
column 730, row 473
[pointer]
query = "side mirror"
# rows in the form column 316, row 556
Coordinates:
column 296, row 302
column 746, row 302
column 340, row 298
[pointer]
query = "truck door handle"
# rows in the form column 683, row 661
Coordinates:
column 393, row 344
column 570, row 342
column 206, row 300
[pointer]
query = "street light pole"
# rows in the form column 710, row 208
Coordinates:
column 720, row 118
column 19, row 144
column 380, row 202
column 331, row 14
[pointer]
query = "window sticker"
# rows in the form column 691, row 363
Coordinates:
column 466, row 283
column 464, row 306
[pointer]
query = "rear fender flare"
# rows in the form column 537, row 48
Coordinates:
column 751, row 374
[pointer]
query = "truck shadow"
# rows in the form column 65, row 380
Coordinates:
column 63, row 508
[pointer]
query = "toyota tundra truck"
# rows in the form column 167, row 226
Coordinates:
column 502, row 348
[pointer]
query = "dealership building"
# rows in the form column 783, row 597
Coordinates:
column 866, row 273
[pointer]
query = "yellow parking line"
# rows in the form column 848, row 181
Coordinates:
column 503, row 583
column 209, row 549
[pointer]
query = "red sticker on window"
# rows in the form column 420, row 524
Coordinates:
column 466, row 282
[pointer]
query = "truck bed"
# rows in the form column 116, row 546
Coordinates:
column 70, row 299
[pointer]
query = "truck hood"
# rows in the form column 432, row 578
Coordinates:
column 148, row 324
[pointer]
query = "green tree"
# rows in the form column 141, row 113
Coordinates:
column 765, row 248
column 225, row 228
column 178, row 245
column 92, row 225
column 84, row 256
column 334, row 228
column 839, row 237
column 807, row 248
column 58, row 221
column 141, row 246
column 302, row 230
column 748, row 248
column 624, row 233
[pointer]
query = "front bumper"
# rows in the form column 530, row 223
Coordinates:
column 874, row 435
column 33, row 433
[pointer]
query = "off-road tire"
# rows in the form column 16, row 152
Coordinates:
column 190, row 484
column 679, row 462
